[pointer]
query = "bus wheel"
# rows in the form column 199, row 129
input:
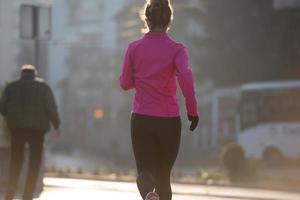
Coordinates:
column 272, row 156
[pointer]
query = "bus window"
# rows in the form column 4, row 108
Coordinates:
column 268, row 106
column 282, row 106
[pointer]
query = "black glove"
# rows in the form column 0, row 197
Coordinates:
column 194, row 120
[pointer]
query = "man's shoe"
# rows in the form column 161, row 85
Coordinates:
column 152, row 196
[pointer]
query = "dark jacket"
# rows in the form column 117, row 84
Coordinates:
column 28, row 103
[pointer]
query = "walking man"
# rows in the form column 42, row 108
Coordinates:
column 29, row 107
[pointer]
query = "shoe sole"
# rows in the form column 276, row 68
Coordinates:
column 152, row 196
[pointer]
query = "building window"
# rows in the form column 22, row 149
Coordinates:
column 27, row 21
column 35, row 22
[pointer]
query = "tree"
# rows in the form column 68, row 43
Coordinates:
column 243, row 40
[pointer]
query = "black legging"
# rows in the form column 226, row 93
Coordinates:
column 156, row 142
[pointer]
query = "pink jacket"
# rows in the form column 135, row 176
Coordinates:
column 151, row 65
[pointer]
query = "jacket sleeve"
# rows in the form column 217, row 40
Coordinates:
column 51, row 109
column 3, row 103
column 185, row 80
column 126, row 78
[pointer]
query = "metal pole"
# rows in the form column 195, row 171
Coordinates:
column 36, row 38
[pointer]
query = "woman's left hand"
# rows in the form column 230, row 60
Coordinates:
column 194, row 120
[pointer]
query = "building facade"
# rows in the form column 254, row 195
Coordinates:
column 15, row 50
column 84, row 72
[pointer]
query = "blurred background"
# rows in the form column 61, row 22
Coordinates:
column 245, row 56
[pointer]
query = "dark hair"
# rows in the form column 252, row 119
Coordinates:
column 159, row 13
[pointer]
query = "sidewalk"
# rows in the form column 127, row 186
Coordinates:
column 281, row 179
column 235, row 192
column 178, row 189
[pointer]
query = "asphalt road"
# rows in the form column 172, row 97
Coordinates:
column 62, row 189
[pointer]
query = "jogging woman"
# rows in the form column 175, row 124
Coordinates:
column 151, row 66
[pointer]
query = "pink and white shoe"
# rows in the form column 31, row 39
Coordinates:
column 152, row 196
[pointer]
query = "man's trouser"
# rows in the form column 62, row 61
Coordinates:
column 19, row 139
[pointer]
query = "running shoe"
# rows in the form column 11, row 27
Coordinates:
column 152, row 196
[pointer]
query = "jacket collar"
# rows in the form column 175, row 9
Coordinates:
column 156, row 34
column 27, row 76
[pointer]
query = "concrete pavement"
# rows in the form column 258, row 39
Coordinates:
column 78, row 189
column 61, row 189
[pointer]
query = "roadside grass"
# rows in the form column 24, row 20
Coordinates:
column 200, row 176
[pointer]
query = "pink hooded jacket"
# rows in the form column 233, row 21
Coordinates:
column 151, row 65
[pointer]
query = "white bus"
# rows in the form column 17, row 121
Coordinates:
column 269, row 114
